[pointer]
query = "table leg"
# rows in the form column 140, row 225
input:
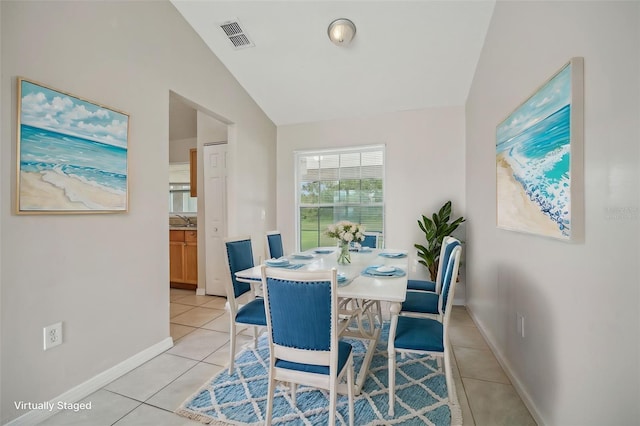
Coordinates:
column 391, row 352
column 370, row 334
column 372, row 342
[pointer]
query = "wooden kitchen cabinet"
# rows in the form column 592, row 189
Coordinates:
column 183, row 259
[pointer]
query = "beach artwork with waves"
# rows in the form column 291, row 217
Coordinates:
column 72, row 153
column 533, row 162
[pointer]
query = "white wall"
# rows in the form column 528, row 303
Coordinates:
column 425, row 168
column 578, row 362
column 210, row 129
column 106, row 276
column 179, row 149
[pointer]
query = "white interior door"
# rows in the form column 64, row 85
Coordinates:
column 215, row 212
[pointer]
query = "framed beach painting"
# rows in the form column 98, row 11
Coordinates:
column 539, row 159
column 72, row 153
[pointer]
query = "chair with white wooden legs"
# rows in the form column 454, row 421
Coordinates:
column 304, row 346
column 425, row 336
column 244, row 308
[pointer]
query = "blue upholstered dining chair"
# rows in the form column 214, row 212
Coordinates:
column 429, row 336
column 244, row 308
column 302, row 325
column 273, row 245
column 426, row 303
column 448, row 243
column 370, row 240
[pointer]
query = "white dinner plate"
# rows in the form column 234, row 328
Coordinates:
column 372, row 271
column 303, row 256
column 324, row 250
column 277, row 262
column 393, row 254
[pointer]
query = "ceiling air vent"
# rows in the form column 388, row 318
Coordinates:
column 237, row 36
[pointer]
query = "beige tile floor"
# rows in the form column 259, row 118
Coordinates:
column 149, row 394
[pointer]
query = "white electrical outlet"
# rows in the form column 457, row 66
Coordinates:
column 52, row 335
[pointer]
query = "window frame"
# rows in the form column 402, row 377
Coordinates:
column 298, row 154
column 179, row 176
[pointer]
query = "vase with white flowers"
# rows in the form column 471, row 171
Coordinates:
column 346, row 233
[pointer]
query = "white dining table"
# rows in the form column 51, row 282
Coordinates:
column 368, row 290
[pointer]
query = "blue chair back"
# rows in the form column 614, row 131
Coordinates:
column 239, row 256
column 306, row 321
column 274, row 242
column 448, row 275
column 449, row 244
column 370, row 240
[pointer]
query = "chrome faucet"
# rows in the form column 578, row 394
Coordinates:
column 187, row 219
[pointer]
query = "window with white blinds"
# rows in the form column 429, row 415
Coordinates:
column 335, row 185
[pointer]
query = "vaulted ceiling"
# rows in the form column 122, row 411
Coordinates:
column 406, row 55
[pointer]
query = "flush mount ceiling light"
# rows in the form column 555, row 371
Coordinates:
column 341, row 31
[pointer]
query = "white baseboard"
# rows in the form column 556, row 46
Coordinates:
column 506, row 366
column 93, row 384
column 200, row 291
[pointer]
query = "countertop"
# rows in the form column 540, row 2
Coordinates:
column 183, row 228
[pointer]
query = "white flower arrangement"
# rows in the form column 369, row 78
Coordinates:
column 346, row 232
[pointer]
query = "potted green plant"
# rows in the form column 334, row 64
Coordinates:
column 435, row 229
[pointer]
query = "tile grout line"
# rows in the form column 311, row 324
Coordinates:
column 464, row 389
